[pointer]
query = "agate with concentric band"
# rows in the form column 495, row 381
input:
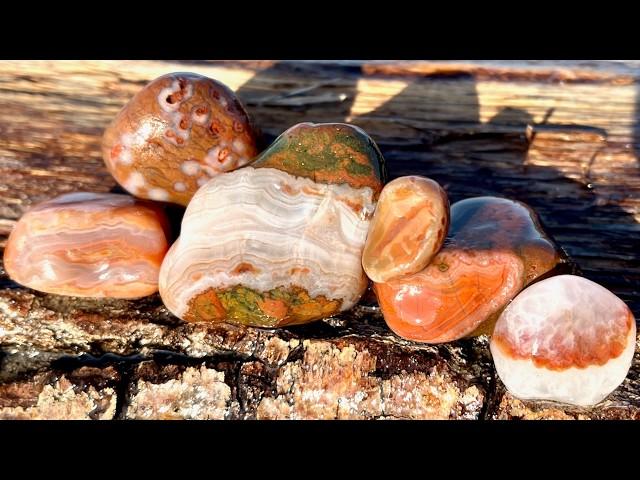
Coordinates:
column 89, row 245
column 279, row 242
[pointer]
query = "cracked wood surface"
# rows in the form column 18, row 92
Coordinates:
column 561, row 136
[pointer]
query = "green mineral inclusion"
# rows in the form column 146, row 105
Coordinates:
column 443, row 267
column 309, row 148
column 242, row 305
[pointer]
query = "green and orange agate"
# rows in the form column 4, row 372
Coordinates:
column 278, row 307
column 279, row 242
column 332, row 153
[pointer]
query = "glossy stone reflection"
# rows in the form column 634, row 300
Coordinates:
column 89, row 245
column 408, row 228
column 279, row 242
column 495, row 247
column 566, row 339
column 178, row 132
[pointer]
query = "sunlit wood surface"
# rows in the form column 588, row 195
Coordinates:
column 563, row 137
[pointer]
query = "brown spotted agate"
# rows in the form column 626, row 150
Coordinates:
column 409, row 225
column 495, row 248
column 89, row 245
column 178, row 132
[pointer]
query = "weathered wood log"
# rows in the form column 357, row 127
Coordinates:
column 561, row 137
column 83, row 394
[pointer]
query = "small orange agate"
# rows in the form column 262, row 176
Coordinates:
column 410, row 223
column 89, row 245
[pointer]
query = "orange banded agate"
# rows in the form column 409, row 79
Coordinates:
column 495, row 248
column 89, row 245
column 408, row 228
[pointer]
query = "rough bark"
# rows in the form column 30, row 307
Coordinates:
column 561, row 137
column 83, row 394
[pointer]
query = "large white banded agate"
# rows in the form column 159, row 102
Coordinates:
column 260, row 246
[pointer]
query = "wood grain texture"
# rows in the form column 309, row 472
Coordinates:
column 560, row 136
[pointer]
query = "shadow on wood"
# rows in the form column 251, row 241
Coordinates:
column 472, row 158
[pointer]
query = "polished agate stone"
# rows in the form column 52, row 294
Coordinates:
column 495, row 248
column 89, row 245
column 279, row 242
column 566, row 339
column 175, row 134
column 408, row 228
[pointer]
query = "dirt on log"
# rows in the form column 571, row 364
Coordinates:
column 562, row 137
